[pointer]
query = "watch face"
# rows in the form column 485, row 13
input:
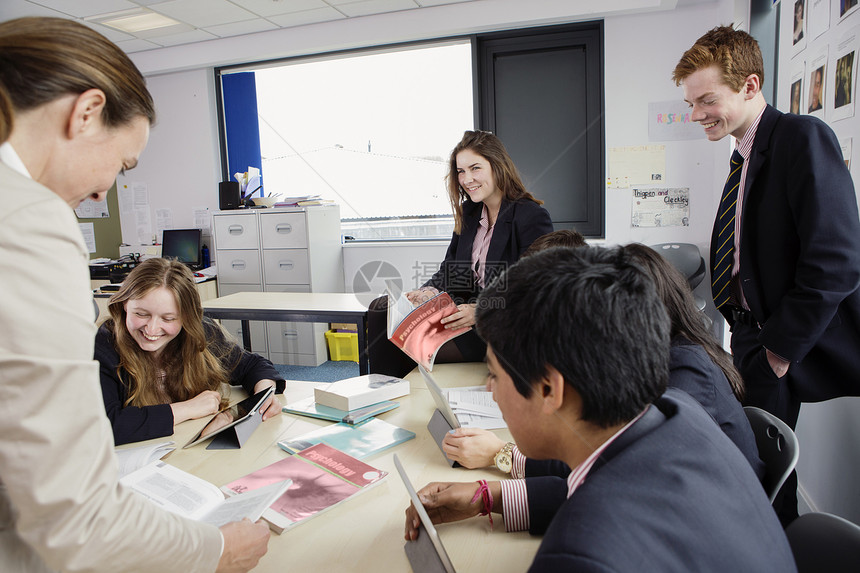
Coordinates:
column 503, row 462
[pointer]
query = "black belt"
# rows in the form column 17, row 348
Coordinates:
column 743, row 316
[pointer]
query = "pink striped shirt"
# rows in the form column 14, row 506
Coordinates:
column 744, row 147
column 481, row 246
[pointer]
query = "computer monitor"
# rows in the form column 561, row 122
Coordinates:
column 182, row 245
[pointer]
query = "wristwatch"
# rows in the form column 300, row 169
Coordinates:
column 504, row 459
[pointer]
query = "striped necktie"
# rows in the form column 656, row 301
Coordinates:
column 724, row 255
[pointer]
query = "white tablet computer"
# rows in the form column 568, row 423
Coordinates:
column 426, row 554
column 231, row 416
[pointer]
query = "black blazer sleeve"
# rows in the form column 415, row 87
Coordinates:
column 245, row 368
column 546, row 487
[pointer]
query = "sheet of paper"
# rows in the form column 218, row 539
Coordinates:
column 89, row 235
column 90, row 209
column 637, row 165
column 250, row 504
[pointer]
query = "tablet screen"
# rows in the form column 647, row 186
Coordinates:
column 229, row 416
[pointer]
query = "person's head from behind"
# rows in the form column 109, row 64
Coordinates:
column 721, row 75
column 561, row 238
column 684, row 316
column 579, row 332
column 481, row 170
column 158, row 304
column 69, row 83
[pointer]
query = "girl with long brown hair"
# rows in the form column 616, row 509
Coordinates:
column 162, row 362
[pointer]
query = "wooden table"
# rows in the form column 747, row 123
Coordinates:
column 365, row 533
column 293, row 307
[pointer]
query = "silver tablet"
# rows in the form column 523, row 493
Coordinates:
column 230, row 416
column 444, row 562
column 438, row 397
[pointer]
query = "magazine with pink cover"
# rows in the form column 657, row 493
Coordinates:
column 419, row 331
column 322, row 478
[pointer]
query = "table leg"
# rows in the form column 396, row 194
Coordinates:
column 363, row 367
column 246, row 334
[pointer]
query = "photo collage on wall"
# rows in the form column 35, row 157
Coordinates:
column 823, row 72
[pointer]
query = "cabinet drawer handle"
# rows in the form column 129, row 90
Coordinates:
column 238, row 265
column 284, row 228
column 235, row 229
column 291, row 333
column 286, row 265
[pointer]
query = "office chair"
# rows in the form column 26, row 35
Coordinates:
column 777, row 447
column 686, row 258
column 824, row 542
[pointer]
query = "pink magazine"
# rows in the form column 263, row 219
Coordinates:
column 322, row 478
column 421, row 333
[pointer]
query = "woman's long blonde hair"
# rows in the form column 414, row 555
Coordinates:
column 187, row 363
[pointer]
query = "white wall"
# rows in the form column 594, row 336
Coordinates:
column 829, row 432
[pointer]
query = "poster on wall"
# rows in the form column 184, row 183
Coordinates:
column 844, row 75
column 798, row 72
column 818, row 17
column 660, row 207
column 798, row 33
column 636, row 165
column 672, row 121
column 847, row 7
column 817, row 73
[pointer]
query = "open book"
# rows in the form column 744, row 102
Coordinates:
column 189, row 496
column 130, row 459
column 418, row 330
column 322, row 478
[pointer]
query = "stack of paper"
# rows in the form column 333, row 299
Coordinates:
column 475, row 407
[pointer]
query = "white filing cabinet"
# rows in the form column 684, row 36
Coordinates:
column 280, row 250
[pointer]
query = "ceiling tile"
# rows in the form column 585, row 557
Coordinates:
column 306, row 17
column 275, row 7
column 203, row 13
column 367, row 7
column 183, row 38
column 111, row 34
column 136, row 45
column 84, row 8
column 11, row 9
column 240, row 28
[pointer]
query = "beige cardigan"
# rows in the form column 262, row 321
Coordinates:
column 60, row 505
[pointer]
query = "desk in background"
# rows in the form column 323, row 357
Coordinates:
column 365, row 533
column 293, row 307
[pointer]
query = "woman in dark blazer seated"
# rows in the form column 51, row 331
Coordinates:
column 495, row 220
column 162, row 362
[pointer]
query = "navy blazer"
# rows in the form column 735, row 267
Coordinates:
column 518, row 224
column 800, row 254
column 690, row 370
column 672, row 493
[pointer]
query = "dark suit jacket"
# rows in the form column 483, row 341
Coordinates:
column 690, row 370
column 519, row 223
column 134, row 424
column 800, row 255
column 670, row 494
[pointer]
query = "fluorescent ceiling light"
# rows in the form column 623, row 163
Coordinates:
column 134, row 23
